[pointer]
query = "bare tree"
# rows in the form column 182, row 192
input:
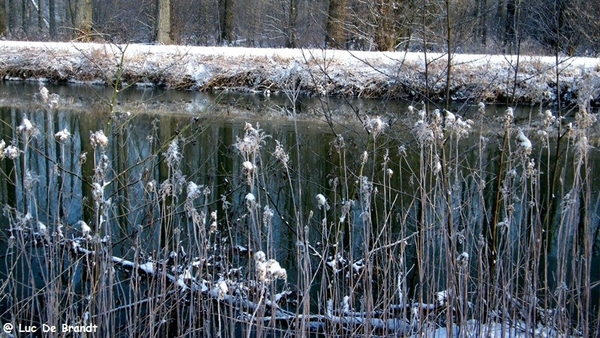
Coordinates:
column 4, row 10
column 283, row 19
column 52, row 19
column 163, row 22
column 83, row 19
column 383, row 19
column 226, row 21
column 336, row 36
column 481, row 17
column 583, row 15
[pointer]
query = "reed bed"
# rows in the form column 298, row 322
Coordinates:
column 459, row 227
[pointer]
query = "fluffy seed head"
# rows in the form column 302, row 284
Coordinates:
column 26, row 127
column 99, row 139
column 322, row 202
column 375, row 126
column 250, row 200
column 85, row 228
column 248, row 166
column 523, row 141
column 11, row 152
column 62, row 135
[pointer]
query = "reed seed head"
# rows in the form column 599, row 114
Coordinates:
column 26, row 127
column 99, row 139
column 62, row 135
column 322, row 202
column 11, row 152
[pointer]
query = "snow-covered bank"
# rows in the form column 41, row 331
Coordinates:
column 318, row 72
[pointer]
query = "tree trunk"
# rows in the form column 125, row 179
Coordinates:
column 291, row 29
column 83, row 19
column 24, row 16
column 335, row 36
column 52, row 19
column 163, row 22
column 482, row 21
column 226, row 21
column 510, row 31
column 4, row 17
column 384, row 25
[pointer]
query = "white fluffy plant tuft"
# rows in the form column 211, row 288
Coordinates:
column 524, row 142
column 268, row 270
column 27, row 128
column 11, row 152
column 62, row 135
column 322, row 202
column 375, row 126
column 99, row 139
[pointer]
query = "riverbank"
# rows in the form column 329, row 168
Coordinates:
column 393, row 75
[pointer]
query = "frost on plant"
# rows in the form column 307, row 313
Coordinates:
column 97, row 192
column 101, row 168
column 222, row 288
column 463, row 260
column 151, row 187
column 583, row 121
column 30, row 180
column 509, row 117
column 428, row 128
column 364, row 157
column 268, row 270
column 62, row 135
column 248, row 166
column 85, row 228
column 251, row 142
column 436, row 166
column 250, row 200
column 375, row 126
column 481, row 108
column 172, row 155
column 548, row 119
column 524, row 142
column 26, row 127
column 346, row 208
column 366, row 192
column 280, row 154
column 193, row 190
column 322, row 202
column 267, row 216
column 11, row 152
column 46, row 97
column 99, row 139
column 173, row 185
column 338, row 143
column 402, row 150
column 457, row 126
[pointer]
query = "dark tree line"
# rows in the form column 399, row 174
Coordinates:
column 569, row 27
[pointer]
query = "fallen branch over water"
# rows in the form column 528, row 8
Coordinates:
column 192, row 285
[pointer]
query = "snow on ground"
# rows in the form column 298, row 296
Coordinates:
column 321, row 72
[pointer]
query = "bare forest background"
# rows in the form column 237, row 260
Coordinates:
column 555, row 27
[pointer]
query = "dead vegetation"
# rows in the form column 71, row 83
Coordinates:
column 316, row 74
